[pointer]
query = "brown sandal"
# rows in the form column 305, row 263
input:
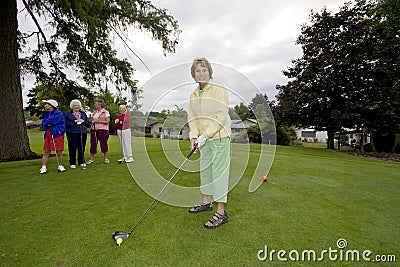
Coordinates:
column 221, row 219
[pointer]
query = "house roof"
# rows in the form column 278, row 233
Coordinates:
column 143, row 122
column 239, row 124
column 153, row 123
column 251, row 120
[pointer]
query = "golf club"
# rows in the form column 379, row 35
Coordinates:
column 120, row 236
column 93, row 128
column 82, row 149
column 54, row 144
column 122, row 143
column 95, row 133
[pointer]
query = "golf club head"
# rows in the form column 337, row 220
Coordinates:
column 119, row 234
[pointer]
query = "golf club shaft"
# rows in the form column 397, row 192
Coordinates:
column 95, row 133
column 122, row 139
column 83, row 151
column 54, row 144
column 162, row 190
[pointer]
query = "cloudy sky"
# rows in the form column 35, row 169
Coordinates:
column 249, row 43
column 253, row 39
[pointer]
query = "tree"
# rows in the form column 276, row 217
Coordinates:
column 63, row 93
column 384, row 114
column 77, row 37
column 332, row 85
column 242, row 111
column 285, row 135
column 112, row 105
column 173, row 121
column 348, row 76
column 12, row 121
column 261, row 111
column 254, row 133
column 233, row 114
column 258, row 99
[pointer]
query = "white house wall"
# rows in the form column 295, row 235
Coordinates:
column 320, row 136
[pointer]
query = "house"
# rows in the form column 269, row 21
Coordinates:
column 174, row 127
column 156, row 129
column 238, row 126
column 177, row 128
column 311, row 135
column 353, row 137
column 142, row 125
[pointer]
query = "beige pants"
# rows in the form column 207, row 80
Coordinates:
column 125, row 139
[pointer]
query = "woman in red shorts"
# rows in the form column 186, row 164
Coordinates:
column 53, row 124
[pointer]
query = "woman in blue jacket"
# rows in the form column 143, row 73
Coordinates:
column 53, row 124
column 76, row 124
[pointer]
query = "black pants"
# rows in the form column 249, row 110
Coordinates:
column 75, row 143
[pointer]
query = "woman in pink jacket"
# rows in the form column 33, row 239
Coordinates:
column 99, row 130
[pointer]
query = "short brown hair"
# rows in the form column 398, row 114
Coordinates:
column 204, row 63
column 100, row 102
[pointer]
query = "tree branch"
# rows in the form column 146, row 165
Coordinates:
column 29, row 35
column 130, row 49
column 54, row 63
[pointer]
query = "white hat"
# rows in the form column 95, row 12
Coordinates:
column 51, row 102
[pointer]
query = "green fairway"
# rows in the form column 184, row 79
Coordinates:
column 313, row 198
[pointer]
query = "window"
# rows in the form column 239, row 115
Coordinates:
column 308, row 134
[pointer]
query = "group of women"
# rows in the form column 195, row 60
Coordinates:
column 75, row 123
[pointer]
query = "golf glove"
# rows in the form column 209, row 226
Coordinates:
column 201, row 141
column 116, row 120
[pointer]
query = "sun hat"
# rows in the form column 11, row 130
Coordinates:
column 51, row 102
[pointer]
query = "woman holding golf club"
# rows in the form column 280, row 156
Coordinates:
column 99, row 130
column 76, row 122
column 53, row 124
column 210, row 130
column 123, row 126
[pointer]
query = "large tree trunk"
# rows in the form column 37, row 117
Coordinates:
column 14, row 142
column 331, row 138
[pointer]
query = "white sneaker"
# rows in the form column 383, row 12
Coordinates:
column 73, row 166
column 61, row 168
column 83, row 165
column 129, row 160
column 121, row 160
column 43, row 170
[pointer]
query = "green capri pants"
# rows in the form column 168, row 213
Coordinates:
column 214, row 168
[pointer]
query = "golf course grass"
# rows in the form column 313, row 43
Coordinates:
column 315, row 200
